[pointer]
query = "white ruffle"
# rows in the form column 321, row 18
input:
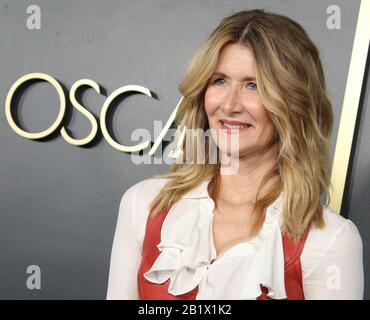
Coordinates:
column 266, row 265
column 187, row 250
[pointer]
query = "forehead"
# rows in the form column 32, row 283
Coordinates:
column 236, row 59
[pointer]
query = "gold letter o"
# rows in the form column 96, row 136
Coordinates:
column 9, row 97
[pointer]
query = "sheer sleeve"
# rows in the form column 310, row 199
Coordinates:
column 334, row 262
column 125, row 254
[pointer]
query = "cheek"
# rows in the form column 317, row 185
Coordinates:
column 262, row 117
column 260, row 113
column 269, row 128
column 210, row 102
column 259, row 109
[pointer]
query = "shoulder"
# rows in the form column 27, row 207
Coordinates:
column 338, row 240
column 332, row 260
column 143, row 192
column 337, row 229
column 135, row 202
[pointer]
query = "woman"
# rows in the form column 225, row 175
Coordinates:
column 260, row 232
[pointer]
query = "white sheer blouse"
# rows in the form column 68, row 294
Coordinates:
column 332, row 266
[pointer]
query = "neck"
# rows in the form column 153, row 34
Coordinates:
column 241, row 187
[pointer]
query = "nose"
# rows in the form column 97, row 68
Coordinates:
column 232, row 101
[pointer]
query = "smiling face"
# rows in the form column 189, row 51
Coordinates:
column 234, row 106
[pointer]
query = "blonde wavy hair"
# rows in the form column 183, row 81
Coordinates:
column 291, row 84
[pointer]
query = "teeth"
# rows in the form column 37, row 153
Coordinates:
column 235, row 126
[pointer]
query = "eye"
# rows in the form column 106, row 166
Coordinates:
column 219, row 81
column 252, row 85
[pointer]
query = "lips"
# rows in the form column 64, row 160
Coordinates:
column 234, row 122
column 234, row 126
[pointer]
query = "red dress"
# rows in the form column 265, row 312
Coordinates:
column 153, row 291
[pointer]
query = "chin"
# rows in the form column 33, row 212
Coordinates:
column 230, row 152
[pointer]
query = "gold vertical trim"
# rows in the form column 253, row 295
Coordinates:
column 350, row 106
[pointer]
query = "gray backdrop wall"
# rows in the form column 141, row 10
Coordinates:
column 59, row 203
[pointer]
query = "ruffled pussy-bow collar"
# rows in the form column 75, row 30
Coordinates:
column 188, row 256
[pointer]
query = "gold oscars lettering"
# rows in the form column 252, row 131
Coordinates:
column 94, row 124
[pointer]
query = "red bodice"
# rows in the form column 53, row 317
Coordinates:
column 153, row 291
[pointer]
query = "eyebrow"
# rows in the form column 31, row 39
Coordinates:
column 247, row 78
